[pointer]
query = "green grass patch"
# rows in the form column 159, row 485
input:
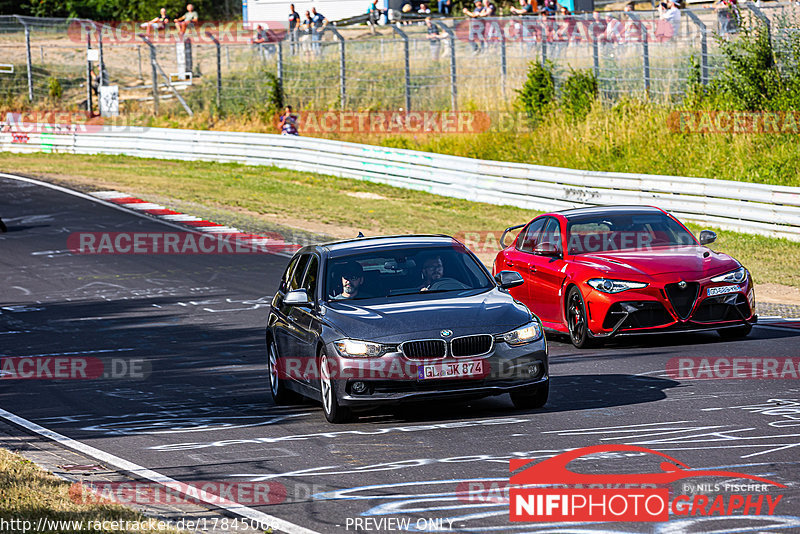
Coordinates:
column 290, row 195
column 30, row 493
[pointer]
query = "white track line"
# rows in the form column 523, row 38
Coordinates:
column 101, row 197
column 153, row 476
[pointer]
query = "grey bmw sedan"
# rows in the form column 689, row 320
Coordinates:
column 373, row 321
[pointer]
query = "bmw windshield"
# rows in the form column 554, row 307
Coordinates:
column 387, row 273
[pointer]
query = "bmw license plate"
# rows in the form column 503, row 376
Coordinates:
column 453, row 370
column 723, row 290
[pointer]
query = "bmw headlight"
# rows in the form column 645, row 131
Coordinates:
column 737, row 277
column 353, row 348
column 606, row 285
column 528, row 333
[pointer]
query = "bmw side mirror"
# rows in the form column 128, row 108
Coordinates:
column 508, row 279
column 707, row 237
column 296, row 297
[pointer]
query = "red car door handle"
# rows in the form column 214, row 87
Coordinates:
column 532, row 268
column 510, row 263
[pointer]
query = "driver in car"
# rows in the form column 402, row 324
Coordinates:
column 432, row 270
column 352, row 279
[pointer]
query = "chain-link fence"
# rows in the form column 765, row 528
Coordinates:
column 442, row 64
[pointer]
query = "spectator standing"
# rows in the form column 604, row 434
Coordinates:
column 307, row 30
column 424, row 10
column 294, row 29
column 319, row 22
column 632, row 33
column 598, row 26
column 161, row 22
column 550, row 7
column 444, row 6
column 434, row 37
column 187, row 20
column 525, row 8
column 668, row 12
column 613, row 29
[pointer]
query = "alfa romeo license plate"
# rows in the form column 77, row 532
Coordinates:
column 469, row 369
column 722, row 290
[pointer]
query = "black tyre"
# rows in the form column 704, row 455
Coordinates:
column 330, row 401
column 738, row 332
column 534, row 397
column 577, row 320
column 281, row 395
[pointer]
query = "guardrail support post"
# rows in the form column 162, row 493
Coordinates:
column 703, row 45
column 406, row 64
column 453, row 77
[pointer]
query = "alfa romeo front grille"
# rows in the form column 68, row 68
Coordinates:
column 682, row 300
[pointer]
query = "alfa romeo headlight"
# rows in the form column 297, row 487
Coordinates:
column 606, row 285
column 736, row 277
column 352, row 348
column 528, row 333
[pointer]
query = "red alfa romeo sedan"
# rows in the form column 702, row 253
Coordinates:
column 599, row 272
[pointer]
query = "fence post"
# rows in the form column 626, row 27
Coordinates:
column 703, row 46
column 406, row 65
column 503, row 61
column 645, row 52
column 139, row 53
column 545, row 34
column 88, row 70
column 453, row 77
column 29, row 61
column 595, row 57
column 762, row 17
column 154, row 72
column 279, row 66
column 219, row 69
column 342, row 66
column 102, row 79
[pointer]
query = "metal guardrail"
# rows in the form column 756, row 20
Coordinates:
column 740, row 206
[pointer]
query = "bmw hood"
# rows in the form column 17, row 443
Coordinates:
column 422, row 316
column 694, row 262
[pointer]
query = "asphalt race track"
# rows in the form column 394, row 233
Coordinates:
column 196, row 406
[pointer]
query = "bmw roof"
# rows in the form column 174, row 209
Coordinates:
column 362, row 244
